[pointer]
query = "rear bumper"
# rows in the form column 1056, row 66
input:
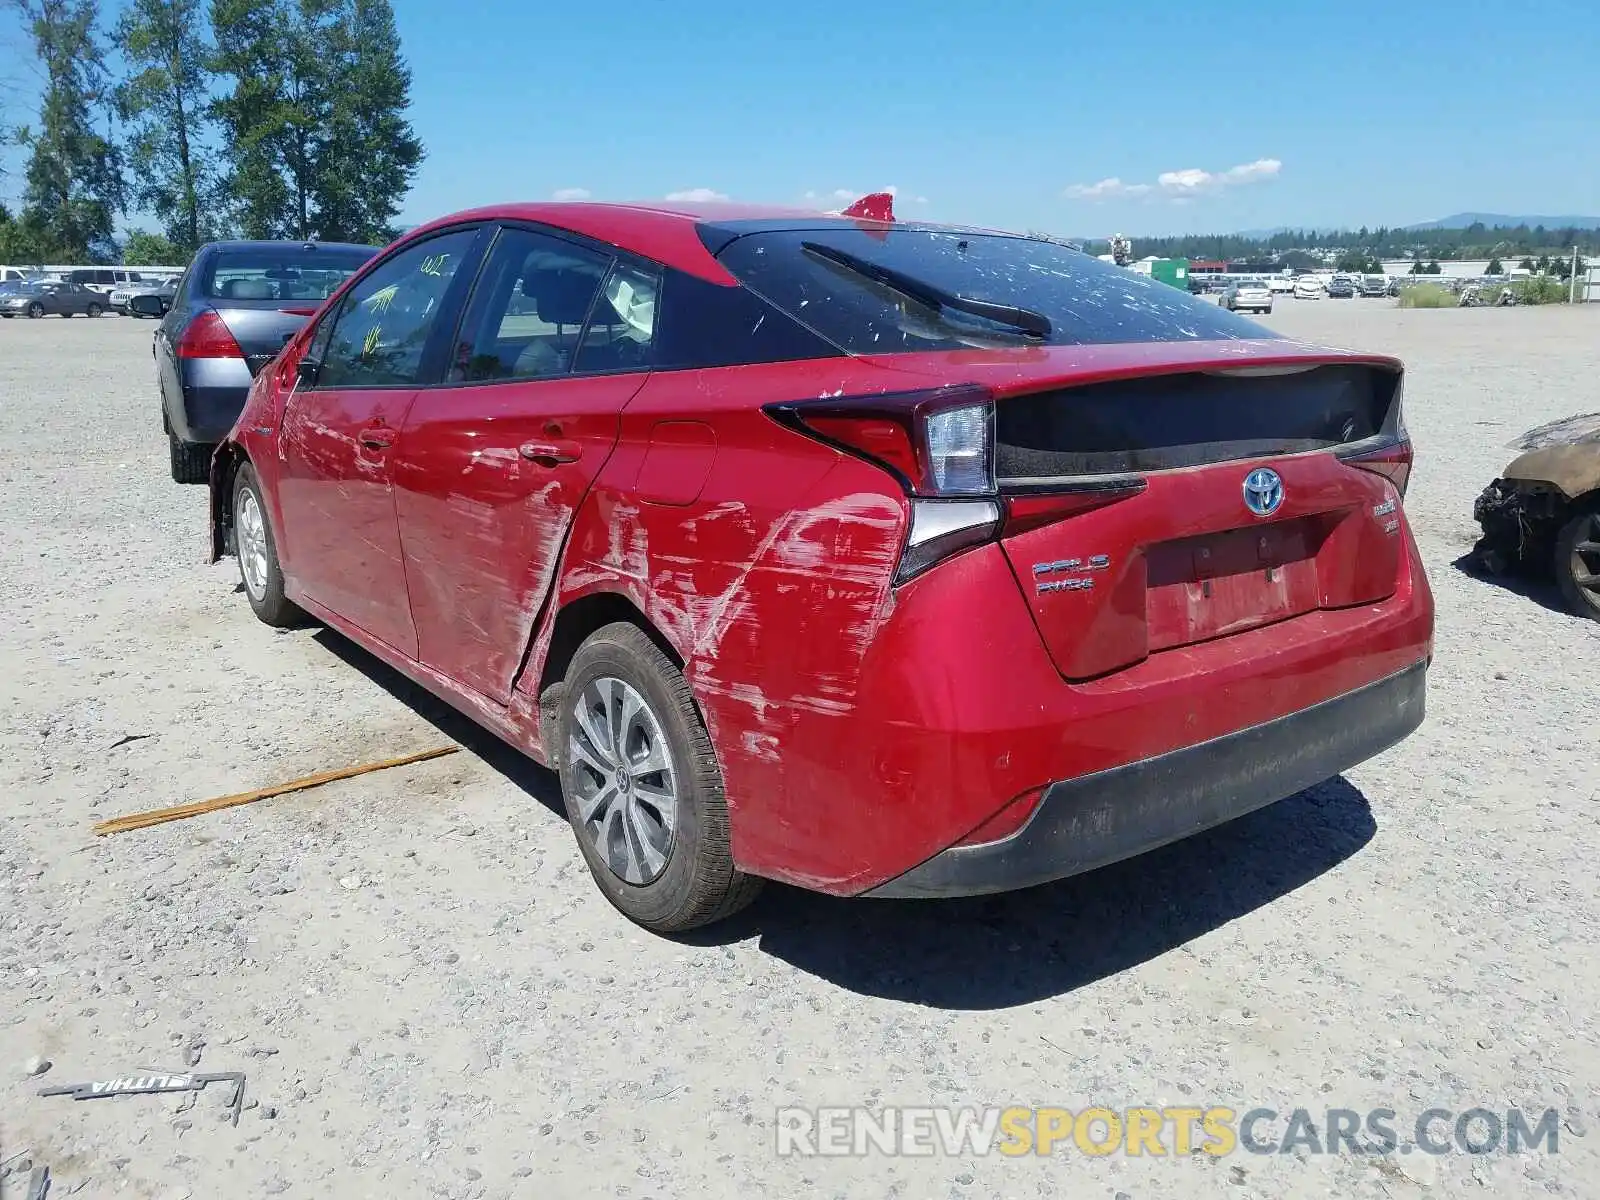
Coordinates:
column 1110, row 815
column 214, row 392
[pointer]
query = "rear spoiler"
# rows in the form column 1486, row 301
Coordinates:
column 874, row 206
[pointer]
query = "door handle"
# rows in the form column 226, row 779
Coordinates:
column 550, row 452
column 377, row 438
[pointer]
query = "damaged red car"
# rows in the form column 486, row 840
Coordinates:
column 879, row 558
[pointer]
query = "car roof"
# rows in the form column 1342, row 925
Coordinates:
column 285, row 243
column 667, row 231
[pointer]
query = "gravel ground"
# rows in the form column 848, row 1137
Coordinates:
column 431, row 999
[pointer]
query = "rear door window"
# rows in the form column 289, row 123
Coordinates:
column 532, row 306
column 385, row 320
column 881, row 291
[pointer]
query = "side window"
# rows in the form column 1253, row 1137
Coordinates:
column 707, row 324
column 528, row 311
column 382, row 328
column 622, row 324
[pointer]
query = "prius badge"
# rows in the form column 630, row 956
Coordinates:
column 1263, row 491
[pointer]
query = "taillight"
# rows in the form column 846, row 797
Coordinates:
column 1392, row 456
column 937, row 443
column 1051, row 503
column 208, row 336
column 1392, row 461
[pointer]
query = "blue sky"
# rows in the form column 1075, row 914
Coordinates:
column 1145, row 116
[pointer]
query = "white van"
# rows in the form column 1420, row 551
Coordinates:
column 102, row 279
column 19, row 274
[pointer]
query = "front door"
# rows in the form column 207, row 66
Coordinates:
column 494, row 464
column 338, row 437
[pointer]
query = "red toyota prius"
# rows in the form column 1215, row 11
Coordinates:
column 879, row 558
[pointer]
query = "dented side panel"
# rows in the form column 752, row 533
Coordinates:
column 487, row 480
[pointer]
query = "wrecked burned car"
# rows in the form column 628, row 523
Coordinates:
column 878, row 558
column 1542, row 514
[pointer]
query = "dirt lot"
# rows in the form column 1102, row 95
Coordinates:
column 431, row 999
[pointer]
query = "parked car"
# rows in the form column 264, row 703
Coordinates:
column 1308, row 287
column 1541, row 515
column 234, row 309
column 51, row 297
column 163, row 291
column 1247, row 295
column 1374, row 285
column 1393, row 286
column 878, row 559
column 1341, row 287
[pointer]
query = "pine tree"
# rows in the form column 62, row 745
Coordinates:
column 251, row 63
column 166, row 99
column 372, row 153
column 74, row 178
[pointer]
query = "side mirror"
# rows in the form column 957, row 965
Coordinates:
column 146, row 305
column 307, row 370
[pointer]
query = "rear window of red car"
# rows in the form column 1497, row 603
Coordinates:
column 823, row 277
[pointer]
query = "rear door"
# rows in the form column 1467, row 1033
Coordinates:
column 337, row 436
column 493, row 464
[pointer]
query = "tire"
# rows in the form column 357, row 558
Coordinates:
column 252, row 535
column 191, row 461
column 35, row 310
column 1577, row 557
column 666, row 869
column 94, row 310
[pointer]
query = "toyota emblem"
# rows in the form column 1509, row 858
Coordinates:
column 1263, row 491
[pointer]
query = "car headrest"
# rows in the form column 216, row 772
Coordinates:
column 252, row 289
column 561, row 296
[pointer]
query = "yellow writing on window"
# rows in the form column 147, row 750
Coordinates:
column 380, row 300
column 369, row 344
column 434, row 264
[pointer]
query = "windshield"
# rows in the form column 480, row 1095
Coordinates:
column 886, row 291
column 270, row 273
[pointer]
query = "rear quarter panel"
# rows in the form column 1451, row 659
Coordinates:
column 769, row 583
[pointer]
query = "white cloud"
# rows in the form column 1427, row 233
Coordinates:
column 571, row 194
column 1106, row 189
column 699, row 195
column 1188, row 182
column 1180, row 185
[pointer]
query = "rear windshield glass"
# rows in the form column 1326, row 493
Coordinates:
column 272, row 274
column 821, row 277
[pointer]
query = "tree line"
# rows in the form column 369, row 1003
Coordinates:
column 1296, row 248
column 220, row 118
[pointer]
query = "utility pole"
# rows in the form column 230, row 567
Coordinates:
column 1572, row 292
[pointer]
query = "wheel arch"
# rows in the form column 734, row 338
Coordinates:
column 574, row 622
column 225, row 464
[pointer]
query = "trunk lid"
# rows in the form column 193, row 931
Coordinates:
column 1165, row 536
column 263, row 327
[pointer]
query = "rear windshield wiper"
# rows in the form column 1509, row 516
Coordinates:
column 1029, row 322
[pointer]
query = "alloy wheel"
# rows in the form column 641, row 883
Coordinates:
column 1585, row 564
column 252, row 547
column 627, row 787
